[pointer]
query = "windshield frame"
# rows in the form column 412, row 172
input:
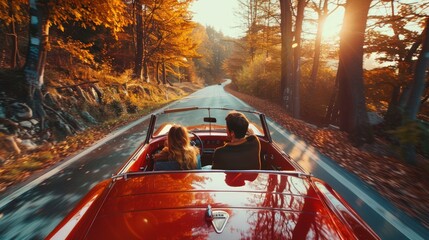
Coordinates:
column 259, row 128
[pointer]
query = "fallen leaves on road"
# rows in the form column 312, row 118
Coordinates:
column 376, row 164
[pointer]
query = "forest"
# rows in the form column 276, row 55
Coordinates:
column 68, row 65
column 323, row 80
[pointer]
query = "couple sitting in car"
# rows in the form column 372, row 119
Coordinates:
column 240, row 153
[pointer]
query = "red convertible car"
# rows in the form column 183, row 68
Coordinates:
column 280, row 201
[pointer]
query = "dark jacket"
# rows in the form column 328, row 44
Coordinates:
column 244, row 156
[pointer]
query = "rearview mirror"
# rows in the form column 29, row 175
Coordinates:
column 210, row 119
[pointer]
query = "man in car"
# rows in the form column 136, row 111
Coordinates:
column 241, row 152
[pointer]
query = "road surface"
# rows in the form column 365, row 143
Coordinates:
column 32, row 209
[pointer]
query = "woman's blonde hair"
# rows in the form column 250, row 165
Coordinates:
column 180, row 149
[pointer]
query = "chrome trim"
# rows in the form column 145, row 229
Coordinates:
column 218, row 218
column 289, row 173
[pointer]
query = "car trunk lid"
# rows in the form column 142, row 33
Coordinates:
column 176, row 204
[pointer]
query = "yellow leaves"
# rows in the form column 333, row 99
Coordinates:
column 76, row 14
column 77, row 50
column 16, row 12
column 110, row 14
column 167, row 29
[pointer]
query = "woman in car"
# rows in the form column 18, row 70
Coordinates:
column 178, row 154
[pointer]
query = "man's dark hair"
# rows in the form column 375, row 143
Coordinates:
column 237, row 122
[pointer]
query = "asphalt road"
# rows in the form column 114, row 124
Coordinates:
column 32, row 209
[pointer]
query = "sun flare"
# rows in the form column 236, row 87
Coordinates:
column 333, row 25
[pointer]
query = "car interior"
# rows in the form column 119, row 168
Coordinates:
column 271, row 157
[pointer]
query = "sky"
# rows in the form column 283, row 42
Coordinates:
column 220, row 14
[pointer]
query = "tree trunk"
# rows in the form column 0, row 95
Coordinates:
column 332, row 112
column 416, row 91
column 400, row 94
column 164, row 74
column 399, row 99
column 145, row 71
column 157, row 73
column 35, row 60
column 297, row 59
column 14, row 61
column 286, row 55
column 353, row 116
column 403, row 99
column 138, row 69
column 393, row 116
column 252, row 25
column 44, row 49
column 317, row 44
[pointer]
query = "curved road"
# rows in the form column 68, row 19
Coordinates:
column 32, row 209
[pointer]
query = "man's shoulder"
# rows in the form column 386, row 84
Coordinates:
column 252, row 138
column 221, row 149
column 252, row 141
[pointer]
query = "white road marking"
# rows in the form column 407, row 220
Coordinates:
column 394, row 221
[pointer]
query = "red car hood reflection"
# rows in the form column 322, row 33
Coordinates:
column 173, row 205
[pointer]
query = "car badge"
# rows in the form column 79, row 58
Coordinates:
column 218, row 218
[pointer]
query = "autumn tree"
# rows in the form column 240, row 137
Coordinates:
column 395, row 38
column 44, row 14
column 419, row 80
column 162, row 35
column 270, row 26
column 144, row 12
column 301, row 4
column 260, row 20
column 214, row 49
column 321, row 7
column 251, row 15
column 12, row 15
column 253, row 54
column 353, row 116
column 32, row 65
column 412, row 106
column 109, row 14
column 202, row 64
column 233, row 65
column 174, row 45
column 220, row 49
column 286, row 53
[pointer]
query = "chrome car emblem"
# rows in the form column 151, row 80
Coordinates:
column 218, row 218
